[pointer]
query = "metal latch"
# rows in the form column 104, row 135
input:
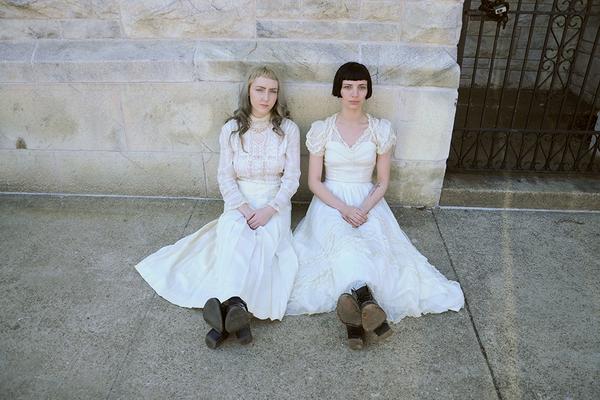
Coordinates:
column 496, row 10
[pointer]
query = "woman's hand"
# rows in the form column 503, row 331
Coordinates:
column 261, row 217
column 354, row 216
column 247, row 211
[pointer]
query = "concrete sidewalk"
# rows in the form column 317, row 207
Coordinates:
column 77, row 321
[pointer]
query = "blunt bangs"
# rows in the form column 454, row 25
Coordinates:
column 351, row 71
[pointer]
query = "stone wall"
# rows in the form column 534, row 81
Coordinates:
column 127, row 97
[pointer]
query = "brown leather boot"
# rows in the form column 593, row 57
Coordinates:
column 237, row 319
column 214, row 316
column 356, row 337
column 372, row 314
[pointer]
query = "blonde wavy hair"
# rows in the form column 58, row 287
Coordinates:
column 244, row 110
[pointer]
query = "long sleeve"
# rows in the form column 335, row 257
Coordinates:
column 291, row 172
column 226, row 175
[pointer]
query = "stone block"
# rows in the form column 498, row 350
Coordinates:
column 279, row 9
column 114, row 61
column 52, row 9
column 188, row 19
column 15, row 61
column 331, row 30
column 177, row 117
column 416, row 183
column 298, row 61
column 90, row 29
column 436, row 22
column 331, row 9
column 60, row 117
column 423, row 123
column 211, row 165
column 24, row 29
column 103, row 172
column 381, row 10
column 411, row 65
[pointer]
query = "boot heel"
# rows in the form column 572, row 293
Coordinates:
column 215, row 338
column 213, row 315
column 383, row 331
column 244, row 335
column 355, row 337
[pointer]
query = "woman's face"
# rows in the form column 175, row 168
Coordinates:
column 354, row 93
column 263, row 95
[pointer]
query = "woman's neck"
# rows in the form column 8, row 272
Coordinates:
column 266, row 117
column 351, row 115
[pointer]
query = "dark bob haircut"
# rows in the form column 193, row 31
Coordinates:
column 351, row 71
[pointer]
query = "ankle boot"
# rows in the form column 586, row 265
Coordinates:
column 355, row 337
column 372, row 314
column 214, row 316
column 237, row 319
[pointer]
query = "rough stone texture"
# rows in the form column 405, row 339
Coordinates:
column 424, row 122
column 49, row 9
column 126, row 173
column 90, row 29
column 431, row 21
column 416, row 183
column 188, row 19
column 299, row 61
column 412, row 66
column 19, row 29
column 382, row 10
column 366, row 31
column 177, row 117
column 279, row 9
column 60, row 117
column 114, row 61
column 15, row 61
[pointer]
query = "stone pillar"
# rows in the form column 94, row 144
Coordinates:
column 127, row 97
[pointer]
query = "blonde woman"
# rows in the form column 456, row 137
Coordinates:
column 243, row 263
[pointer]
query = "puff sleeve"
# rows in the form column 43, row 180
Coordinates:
column 316, row 138
column 226, row 175
column 385, row 136
column 291, row 170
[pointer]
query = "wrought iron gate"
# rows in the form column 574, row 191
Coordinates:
column 529, row 94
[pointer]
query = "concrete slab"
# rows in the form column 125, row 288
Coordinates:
column 305, row 357
column 71, row 298
column 532, row 281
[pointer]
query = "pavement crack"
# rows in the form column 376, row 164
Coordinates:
column 190, row 217
column 468, row 309
column 129, row 346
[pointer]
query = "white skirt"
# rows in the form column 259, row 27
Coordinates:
column 226, row 258
column 333, row 256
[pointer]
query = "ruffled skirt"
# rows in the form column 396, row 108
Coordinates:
column 226, row 258
column 333, row 256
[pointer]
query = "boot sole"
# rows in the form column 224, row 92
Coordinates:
column 236, row 319
column 214, row 338
column 372, row 317
column 212, row 314
column 348, row 310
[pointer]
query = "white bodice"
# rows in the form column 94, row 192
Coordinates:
column 260, row 155
column 354, row 163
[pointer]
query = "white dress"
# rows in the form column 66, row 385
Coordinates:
column 226, row 258
column 333, row 255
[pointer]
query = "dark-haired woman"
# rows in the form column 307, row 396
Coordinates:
column 242, row 263
column 353, row 256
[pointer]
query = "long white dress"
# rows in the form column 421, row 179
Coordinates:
column 333, row 255
column 226, row 258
